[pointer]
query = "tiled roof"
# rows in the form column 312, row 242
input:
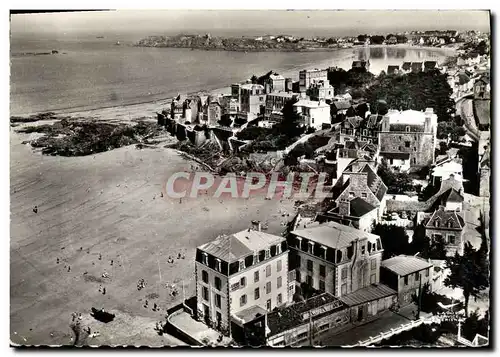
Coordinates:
column 453, row 195
column 235, row 246
column 370, row 293
column 444, row 218
column 359, row 207
column 293, row 315
column 341, row 105
column 408, row 206
column 405, row 264
column 375, row 183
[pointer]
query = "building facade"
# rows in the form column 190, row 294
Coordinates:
column 410, row 132
column 275, row 102
column 448, row 225
column 239, row 271
column 321, row 90
column 252, row 100
column 307, row 77
column 314, row 114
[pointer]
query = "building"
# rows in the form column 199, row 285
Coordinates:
column 299, row 324
column 484, row 174
column 307, row 77
column 339, row 108
column 252, row 100
column 344, row 262
column 448, row 225
column 212, row 111
column 356, row 213
column 368, row 128
column 361, row 65
column 314, row 114
column 482, row 110
column 177, row 108
column 275, row 83
column 239, row 271
column 482, row 88
column 334, row 258
column 321, row 90
column 411, row 132
column 275, row 102
column 399, row 161
column 407, row 275
column 444, row 169
column 364, row 183
column 349, row 128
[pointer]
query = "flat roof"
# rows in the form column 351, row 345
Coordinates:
column 410, row 117
column 311, row 104
column 370, row 293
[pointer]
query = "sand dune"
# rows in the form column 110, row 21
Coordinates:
column 108, row 204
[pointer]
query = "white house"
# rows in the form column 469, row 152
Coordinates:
column 314, row 114
column 443, row 170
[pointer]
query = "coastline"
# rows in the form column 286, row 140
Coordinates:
column 148, row 108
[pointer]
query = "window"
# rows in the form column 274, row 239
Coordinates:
column 279, row 299
column 437, row 236
column 407, row 129
column 363, row 249
column 243, row 300
column 268, row 305
column 322, row 271
column 205, row 293
column 235, row 286
column 242, row 264
column 436, row 223
column 344, row 273
column 205, row 258
column 217, row 300
column 297, row 276
column 279, row 282
column 268, row 270
column 218, row 283
column 451, row 239
column 310, row 247
column 278, row 249
column 256, row 276
column 322, row 285
column 364, row 195
column 407, row 144
column 218, row 317
column 373, row 278
column 268, row 287
column 343, row 289
column 414, row 160
column 278, row 265
column 298, row 261
column 302, row 336
column 218, row 265
column 255, row 258
column 406, row 280
column 414, row 148
column 351, row 195
column 310, row 281
column 243, row 282
column 204, row 276
column 417, row 276
column 427, row 272
column 309, row 265
column 450, row 224
column 256, row 294
column 400, row 148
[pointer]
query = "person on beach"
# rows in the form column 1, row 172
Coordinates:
column 104, row 291
column 35, row 209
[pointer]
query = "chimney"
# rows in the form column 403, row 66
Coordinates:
column 256, row 226
column 344, row 208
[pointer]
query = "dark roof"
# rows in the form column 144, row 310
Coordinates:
column 359, row 207
column 482, row 111
column 375, row 183
column 370, row 293
column 453, row 195
column 396, row 155
column 406, row 65
column 463, row 78
column 298, row 313
column 405, row 264
column 407, row 206
column 483, row 78
column 354, row 121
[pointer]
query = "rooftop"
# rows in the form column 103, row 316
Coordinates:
column 250, row 314
column 359, row 207
column 370, row 293
column 409, row 117
column 405, row 264
column 238, row 245
column 252, row 86
column 334, row 235
column 310, row 104
column 297, row 314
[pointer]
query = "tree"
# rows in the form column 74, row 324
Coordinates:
column 254, row 79
column 394, row 239
column 377, row 40
column 474, row 325
column 467, row 272
column 396, row 182
column 427, row 249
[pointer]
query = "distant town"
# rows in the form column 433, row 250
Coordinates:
column 281, row 42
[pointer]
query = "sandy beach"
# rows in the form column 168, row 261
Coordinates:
column 95, row 209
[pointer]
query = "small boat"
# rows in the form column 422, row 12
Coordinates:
column 117, row 43
column 100, row 37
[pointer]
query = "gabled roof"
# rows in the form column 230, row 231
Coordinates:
column 354, row 121
column 238, row 245
column 444, row 218
column 375, row 183
column 359, row 207
column 453, row 195
column 334, row 235
column 341, row 104
column 405, row 264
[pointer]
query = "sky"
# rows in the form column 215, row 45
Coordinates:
column 340, row 23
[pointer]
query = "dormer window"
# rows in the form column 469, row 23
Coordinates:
column 205, row 258
column 324, row 251
column 436, row 223
column 450, row 224
column 218, row 265
column 363, row 249
column 299, row 242
column 278, row 249
column 311, row 247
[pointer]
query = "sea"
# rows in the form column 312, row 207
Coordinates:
column 90, row 72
